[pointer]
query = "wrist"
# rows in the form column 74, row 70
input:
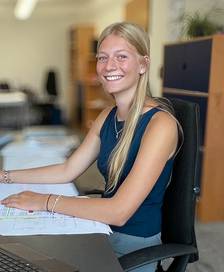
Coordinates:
column 51, row 202
column 1, row 176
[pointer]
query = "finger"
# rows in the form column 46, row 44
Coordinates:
column 8, row 198
column 5, row 201
column 11, row 198
column 11, row 203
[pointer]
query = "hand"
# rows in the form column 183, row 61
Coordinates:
column 26, row 200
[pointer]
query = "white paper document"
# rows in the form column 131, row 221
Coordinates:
column 19, row 222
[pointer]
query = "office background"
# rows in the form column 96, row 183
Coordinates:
column 28, row 49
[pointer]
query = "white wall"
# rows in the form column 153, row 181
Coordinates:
column 27, row 50
column 157, row 31
column 108, row 13
column 162, row 29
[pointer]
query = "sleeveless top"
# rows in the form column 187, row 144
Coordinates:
column 146, row 221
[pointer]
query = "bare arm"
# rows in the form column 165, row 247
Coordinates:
column 73, row 167
column 158, row 144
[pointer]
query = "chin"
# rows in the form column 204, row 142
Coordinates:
column 112, row 91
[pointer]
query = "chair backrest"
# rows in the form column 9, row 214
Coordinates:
column 51, row 83
column 180, row 197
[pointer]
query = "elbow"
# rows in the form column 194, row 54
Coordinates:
column 67, row 173
column 119, row 223
column 119, row 219
column 120, row 213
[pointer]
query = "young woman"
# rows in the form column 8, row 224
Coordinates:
column 134, row 144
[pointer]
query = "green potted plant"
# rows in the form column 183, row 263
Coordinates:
column 198, row 25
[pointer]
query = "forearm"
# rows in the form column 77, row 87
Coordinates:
column 48, row 174
column 98, row 209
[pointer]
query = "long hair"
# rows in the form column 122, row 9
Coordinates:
column 138, row 38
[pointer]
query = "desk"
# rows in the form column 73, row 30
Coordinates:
column 89, row 252
column 13, row 110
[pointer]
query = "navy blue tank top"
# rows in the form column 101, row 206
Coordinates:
column 146, row 221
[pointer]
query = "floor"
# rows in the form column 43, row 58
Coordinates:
column 210, row 237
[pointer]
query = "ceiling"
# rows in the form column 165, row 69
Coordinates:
column 53, row 7
column 11, row 3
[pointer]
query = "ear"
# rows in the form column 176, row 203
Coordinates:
column 144, row 65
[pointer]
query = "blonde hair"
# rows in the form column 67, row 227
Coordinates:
column 138, row 38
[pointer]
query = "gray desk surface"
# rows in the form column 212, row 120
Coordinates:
column 89, row 252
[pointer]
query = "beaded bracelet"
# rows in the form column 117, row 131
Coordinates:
column 6, row 178
column 55, row 202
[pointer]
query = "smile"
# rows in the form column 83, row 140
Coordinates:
column 113, row 78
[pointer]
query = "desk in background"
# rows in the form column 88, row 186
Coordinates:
column 13, row 110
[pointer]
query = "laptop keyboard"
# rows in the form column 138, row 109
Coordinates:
column 10, row 263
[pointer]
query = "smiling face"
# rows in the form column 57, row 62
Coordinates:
column 118, row 65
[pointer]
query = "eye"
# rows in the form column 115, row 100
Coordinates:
column 121, row 57
column 102, row 59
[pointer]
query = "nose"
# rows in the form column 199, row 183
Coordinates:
column 110, row 64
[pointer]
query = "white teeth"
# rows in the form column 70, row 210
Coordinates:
column 113, row 77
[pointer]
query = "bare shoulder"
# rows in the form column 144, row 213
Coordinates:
column 164, row 118
column 97, row 125
column 163, row 123
column 161, row 133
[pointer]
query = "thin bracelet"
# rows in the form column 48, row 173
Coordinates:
column 6, row 178
column 55, row 202
column 47, row 202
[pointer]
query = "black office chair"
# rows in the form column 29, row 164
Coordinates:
column 48, row 112
column 178, row 234
column 5, row 87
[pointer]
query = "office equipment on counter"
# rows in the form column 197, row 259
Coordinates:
column 14, row 110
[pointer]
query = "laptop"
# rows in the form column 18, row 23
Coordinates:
column 19, row 254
